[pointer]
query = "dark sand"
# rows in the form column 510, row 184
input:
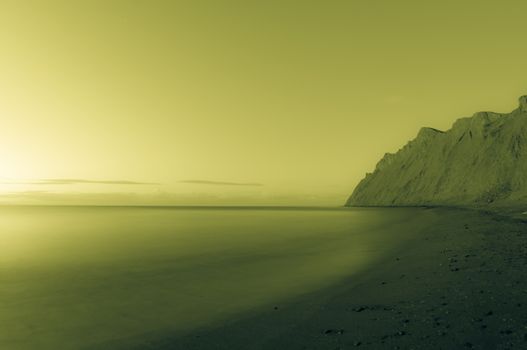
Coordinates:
column 461, row 285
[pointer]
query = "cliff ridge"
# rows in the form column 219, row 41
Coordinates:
column 480, row 161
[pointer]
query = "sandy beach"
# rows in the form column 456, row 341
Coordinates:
column 460, row 284
column 264, row 278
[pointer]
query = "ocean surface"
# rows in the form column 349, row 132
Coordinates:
column 86, row 277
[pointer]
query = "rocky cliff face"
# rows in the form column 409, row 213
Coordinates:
column 481, row 160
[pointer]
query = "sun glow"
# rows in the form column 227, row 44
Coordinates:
column 216, row 93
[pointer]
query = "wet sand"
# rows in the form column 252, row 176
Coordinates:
column 461, row 284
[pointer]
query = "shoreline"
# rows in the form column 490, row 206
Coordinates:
column 460, row 285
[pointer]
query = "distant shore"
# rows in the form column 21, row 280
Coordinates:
column 461, row 285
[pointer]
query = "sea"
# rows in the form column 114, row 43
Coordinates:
column 82, row 277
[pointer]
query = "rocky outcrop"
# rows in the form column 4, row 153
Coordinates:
column 481, row 160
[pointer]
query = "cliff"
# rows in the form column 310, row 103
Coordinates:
column 481, row 160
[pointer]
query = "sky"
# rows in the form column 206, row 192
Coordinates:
column 209, row 102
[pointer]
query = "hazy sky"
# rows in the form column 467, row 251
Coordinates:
column 244, row 102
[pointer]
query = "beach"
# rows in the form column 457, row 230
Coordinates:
column 460, row 285
column 262, row 278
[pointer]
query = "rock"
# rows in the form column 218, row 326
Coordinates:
column 481, row 160
column 523, row 103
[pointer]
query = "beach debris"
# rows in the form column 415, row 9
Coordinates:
column 362, row 308
column 333, row 331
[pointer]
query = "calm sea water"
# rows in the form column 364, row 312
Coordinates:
column 78, row 277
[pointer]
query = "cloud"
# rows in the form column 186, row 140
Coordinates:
column 79, row 181
column 169, row 199
column 220, row 183
column 23, row 194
